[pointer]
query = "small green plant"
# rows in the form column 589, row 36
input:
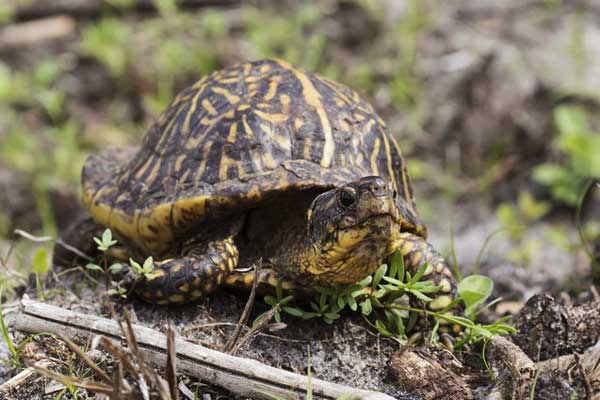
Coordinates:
column 15, row 359
column 579, row 146
column 104, row 244
column 40, row 266
column 383, row 300
column 106, row 41
column 146, row 270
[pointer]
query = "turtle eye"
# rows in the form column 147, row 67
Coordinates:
column 395, row 194
column 346, row 198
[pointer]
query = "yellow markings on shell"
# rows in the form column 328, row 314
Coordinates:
column 199, row 85
column 406, row 186
column 263, row 105
column 375, row 157
column 193, row 107
column 268, row 160
column 313, row 98
column 179, row 162
column 229, row 114
column 285, row 102
column 230, row 97
column 247, row 128
column 275, row 118
column 209, row 107
column 298, row 122
column 232, row 133
column 143, row 169
column 226, row 163
column 243, row 107
column 273, row 84
column 306, row 149
column 233, row 79
column 247, row 68
column 283, row 142
column 264, row 68
column 388, row 158
column 205, row 152
column 197, row 293
column 153, row 173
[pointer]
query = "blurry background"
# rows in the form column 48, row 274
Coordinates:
column 494, row 103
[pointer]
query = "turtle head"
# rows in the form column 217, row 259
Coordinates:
column 351, row 230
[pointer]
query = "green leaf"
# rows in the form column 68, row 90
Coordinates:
column 419, row 295
column 94, row 267
column 397, row 265
column 332, row 316
column 419, row 274
column 99, row 243
column 270, row 300
column 365, row 307
column 148, row 265
column 341, row 302
column 570, row 120
column 378, row 275
column 106, row 237
column 40, row 261
column 296, row 312
column 137, row 268
column 352, row 302
column 115, row 268
column 381, row 328
column 365, row 282
column 474, row 290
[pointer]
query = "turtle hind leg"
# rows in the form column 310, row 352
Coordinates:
column 416, row 252
column 181, row 280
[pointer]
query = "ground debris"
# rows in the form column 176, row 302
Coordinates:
column 548, row 329
column 430, row 376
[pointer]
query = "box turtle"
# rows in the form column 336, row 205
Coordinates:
column 261, row 160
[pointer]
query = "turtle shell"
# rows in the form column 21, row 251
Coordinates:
column 235, row 138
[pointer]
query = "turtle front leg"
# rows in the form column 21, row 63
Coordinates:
column 416, row 251
column 181, row 280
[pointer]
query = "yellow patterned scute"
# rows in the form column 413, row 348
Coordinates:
column 236, row 137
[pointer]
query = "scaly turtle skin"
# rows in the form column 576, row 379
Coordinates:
column 261, row 160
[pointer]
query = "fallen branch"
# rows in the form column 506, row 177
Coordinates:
column 238, row 375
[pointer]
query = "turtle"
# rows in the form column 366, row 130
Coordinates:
column 259, row 161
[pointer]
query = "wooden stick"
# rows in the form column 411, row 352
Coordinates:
column 242, row 376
